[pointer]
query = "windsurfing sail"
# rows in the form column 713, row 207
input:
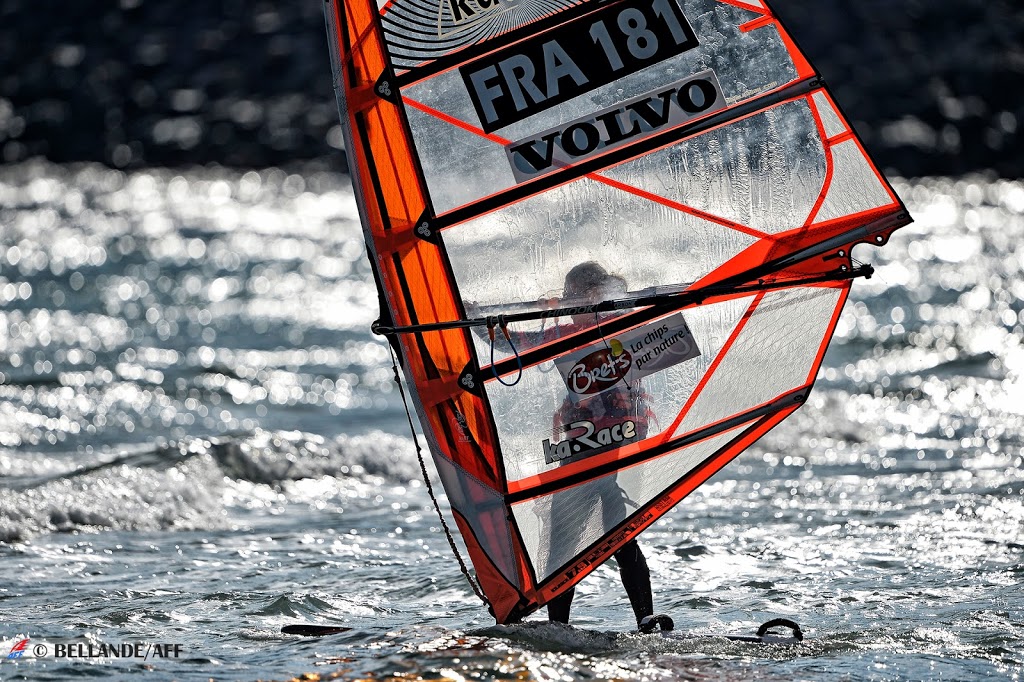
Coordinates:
column 689, row 149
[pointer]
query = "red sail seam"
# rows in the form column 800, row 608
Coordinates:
column 597, row 177
column 743, row 5
column 667, row 434
column 756, row 24
column 849, row 134
column 681, row 207
column 829, row 162
column 841, row 137
column 831, row 330
column 453, row 121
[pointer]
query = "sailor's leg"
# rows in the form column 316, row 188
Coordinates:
column 561, row 509
column 558, row 608
column 636, row 578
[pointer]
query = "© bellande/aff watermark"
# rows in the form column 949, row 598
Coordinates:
column 23, row 648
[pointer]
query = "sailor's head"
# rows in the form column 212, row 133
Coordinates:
column 592, row 282
column 589, row 283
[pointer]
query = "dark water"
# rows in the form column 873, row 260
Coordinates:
column 199, row 443
column 931, row 87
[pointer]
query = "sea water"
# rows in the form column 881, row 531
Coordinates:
column 200, row 442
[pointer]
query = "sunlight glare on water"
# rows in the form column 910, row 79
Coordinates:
column 199, row 443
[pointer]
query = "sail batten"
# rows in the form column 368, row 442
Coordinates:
column 684, row 148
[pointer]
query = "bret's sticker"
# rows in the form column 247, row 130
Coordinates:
column 628, row 357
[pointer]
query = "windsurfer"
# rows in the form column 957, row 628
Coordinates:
column 590, row 283
column 627, row 403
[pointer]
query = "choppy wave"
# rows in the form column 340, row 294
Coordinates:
column 187, row 485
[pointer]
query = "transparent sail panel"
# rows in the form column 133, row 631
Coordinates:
column 556, row 528
column 746, row 65
column 537, row 241
column 773, row 354
column 765, row 172
column 830, row 119
column 532, row 415
column 459, row 166
column 855, row 185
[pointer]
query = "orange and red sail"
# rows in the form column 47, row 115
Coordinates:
column 686, row 146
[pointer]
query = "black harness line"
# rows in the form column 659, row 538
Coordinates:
column 430, row 490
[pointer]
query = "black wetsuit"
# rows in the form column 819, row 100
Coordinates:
column 636, row 578
column 615, row 405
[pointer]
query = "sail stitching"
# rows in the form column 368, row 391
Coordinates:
column 829, row 333
column 829, row 143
